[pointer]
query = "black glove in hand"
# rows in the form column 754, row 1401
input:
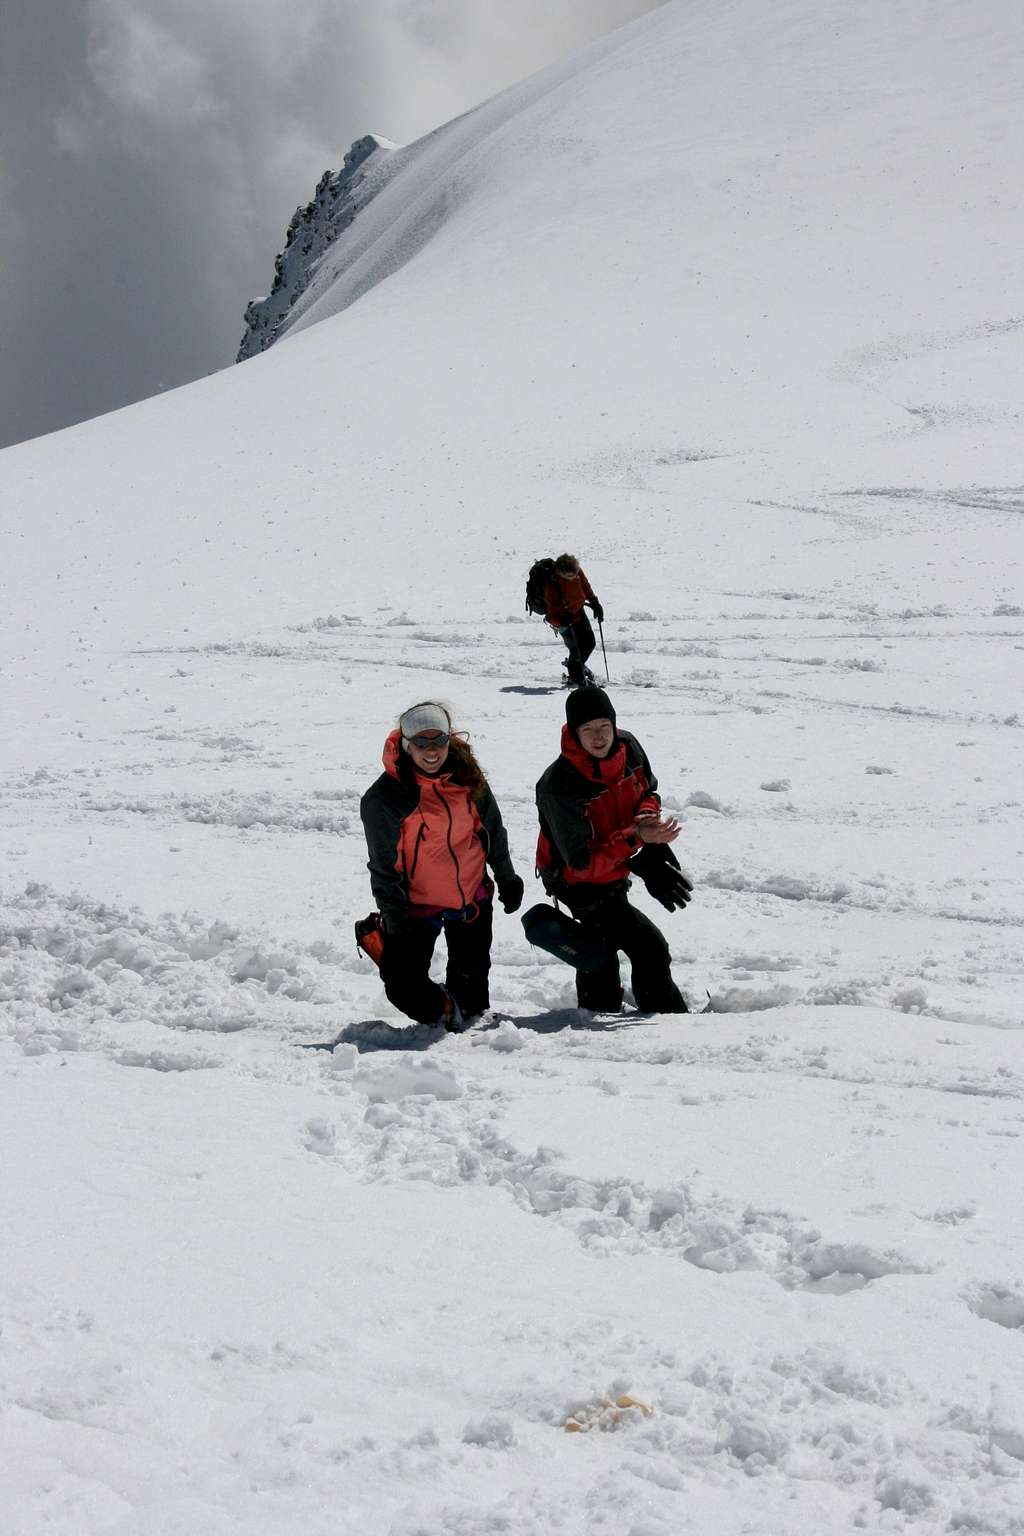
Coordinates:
column 597, row 610
column 671, row 888
column 657, row 866
column 510, row 894
column 397, row 924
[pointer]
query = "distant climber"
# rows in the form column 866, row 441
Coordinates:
column 559, row 588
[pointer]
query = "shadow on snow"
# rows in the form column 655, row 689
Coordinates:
column 378, row 1035
column 523, row 688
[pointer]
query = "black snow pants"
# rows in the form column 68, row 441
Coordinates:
column 405, row 965
column 580, row 642
column 607, row 912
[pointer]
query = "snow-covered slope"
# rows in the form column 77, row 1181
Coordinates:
column 729, row 304
column 728, row 256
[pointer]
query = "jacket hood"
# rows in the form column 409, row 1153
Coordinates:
column 389, row 757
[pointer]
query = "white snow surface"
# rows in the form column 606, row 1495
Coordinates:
column 729, row 304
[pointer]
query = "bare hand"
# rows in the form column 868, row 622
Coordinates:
column 656, row 829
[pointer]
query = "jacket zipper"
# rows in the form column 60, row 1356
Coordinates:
column 451, row 849
column 416, row 847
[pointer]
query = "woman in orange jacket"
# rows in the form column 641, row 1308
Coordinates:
column 432, row 828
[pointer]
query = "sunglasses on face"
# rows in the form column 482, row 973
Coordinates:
column 427, row 743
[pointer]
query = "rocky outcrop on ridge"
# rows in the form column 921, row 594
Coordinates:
column 338, row 197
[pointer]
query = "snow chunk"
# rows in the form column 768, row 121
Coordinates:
column 904, row 1487
column 751, row 999
column 404, row 1077
column 910, row 1000
column 702, row 801
column 507, row 1037
column 788, row 887
column 758, row 962
column 320, row 1137
column 380, row 1116
column 166, row 1061
column 494, row 1432
column 822, row 1259
column 750, row 1436
column 344, row 1058
column 641, row 677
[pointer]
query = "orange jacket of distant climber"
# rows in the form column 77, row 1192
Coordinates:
column 564, row 598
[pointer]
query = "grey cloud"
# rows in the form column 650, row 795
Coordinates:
column 152, row 152
column 141, row 67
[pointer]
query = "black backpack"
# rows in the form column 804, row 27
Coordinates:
column 541, row 572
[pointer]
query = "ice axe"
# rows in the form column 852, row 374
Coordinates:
column 604, row 653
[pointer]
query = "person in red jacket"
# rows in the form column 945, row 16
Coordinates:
column 432, row 827
column 600, row 825
column 565, row 597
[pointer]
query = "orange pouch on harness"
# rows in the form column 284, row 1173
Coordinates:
column 370, row 937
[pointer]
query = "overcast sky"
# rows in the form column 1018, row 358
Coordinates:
column 152, row 152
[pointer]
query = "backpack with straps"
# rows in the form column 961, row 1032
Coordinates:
column 541, row 572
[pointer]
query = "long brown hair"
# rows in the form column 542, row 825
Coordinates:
column 465, row 768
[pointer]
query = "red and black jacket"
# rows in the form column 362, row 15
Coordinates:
column 428, row 839
column 587, row 807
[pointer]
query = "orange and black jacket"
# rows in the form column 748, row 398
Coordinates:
column 564, row 598
column 429, row 840
column 587, row 807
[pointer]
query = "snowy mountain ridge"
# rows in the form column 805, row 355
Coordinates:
column 336, row 200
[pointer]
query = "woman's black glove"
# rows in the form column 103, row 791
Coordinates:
column 657, row 866
column 397, row 924
column 510, row 894
column 598, row 611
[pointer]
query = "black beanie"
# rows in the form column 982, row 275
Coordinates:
column 586, row 704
